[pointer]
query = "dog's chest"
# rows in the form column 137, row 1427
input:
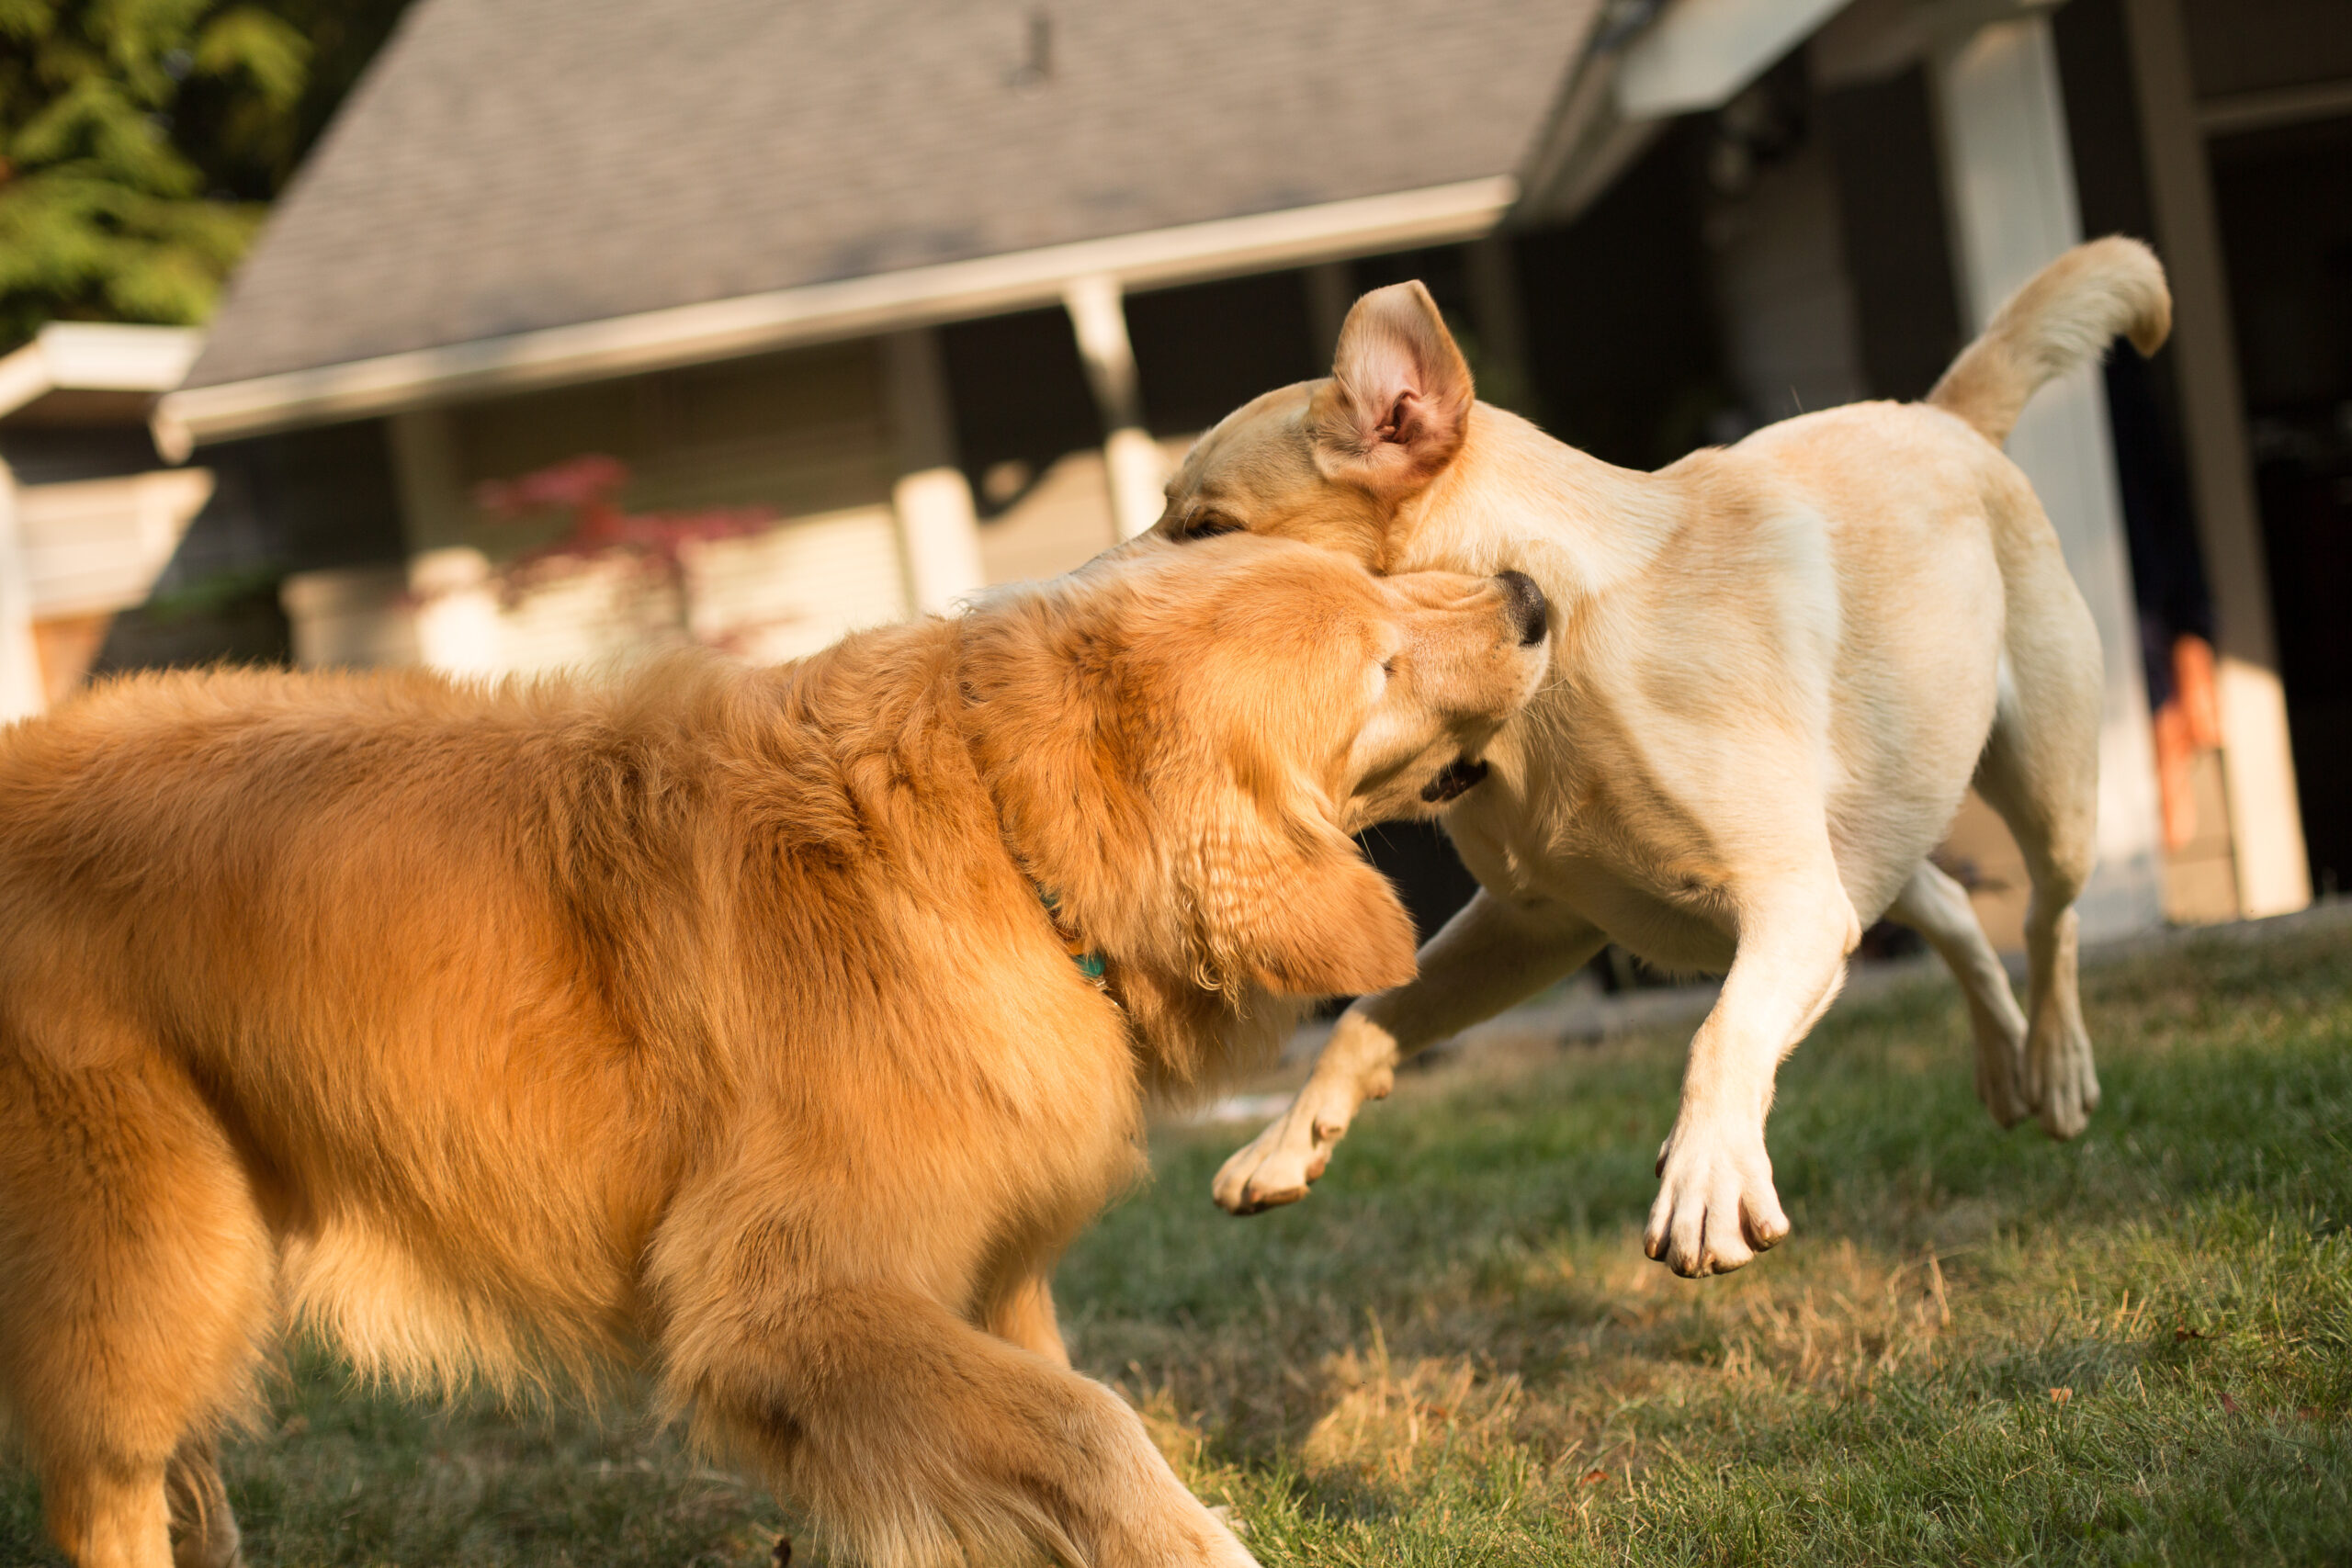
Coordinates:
column 1627, row 859
column 1683, row 928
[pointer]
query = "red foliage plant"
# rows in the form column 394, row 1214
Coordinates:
column 589, row 488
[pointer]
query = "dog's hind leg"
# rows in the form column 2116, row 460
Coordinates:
column 2040, row 771
column 204, row 1529
column 134, row 1284
column 1937, row 907
column 1488, row 956
column 120, row 1510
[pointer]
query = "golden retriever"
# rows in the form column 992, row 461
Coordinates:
column 1779, row 665
column 719, row 1020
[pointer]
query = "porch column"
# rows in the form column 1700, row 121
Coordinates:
column 1505, row 378
column 1129, row 454
column 2009, row 179
column 428, row 478
column 2266, row 816
column 939, row 529
column 1330, row 290
column 457, row 626
column 458, row 630
column 21, row 691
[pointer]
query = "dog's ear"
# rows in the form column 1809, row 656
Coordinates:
column 1308, row 921
column 1398, row 401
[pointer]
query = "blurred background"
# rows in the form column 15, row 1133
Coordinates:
column 503, row 335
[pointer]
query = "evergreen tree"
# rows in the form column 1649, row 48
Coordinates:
column 141, row 141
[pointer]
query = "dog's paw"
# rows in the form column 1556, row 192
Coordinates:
column 1279, row 1163
column 1716, row 1207
column 1219, row 1547
column 2001, row 1080
column 2064, row 1081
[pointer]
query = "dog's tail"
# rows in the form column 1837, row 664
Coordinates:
column 2064, row 316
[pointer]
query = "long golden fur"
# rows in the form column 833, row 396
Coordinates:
column 710, row 1019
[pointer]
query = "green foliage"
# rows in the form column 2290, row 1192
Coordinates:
column 141, row 141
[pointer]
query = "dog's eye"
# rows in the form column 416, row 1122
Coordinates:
column 1209, row 524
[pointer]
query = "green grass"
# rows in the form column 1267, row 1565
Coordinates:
column 1978, row 1347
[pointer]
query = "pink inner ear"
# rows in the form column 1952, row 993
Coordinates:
column 1403, row 392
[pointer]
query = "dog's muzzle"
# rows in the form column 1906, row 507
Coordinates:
column 1459, row 777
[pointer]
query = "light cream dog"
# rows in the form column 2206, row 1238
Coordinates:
column 1776, row 668
column 713, row 1021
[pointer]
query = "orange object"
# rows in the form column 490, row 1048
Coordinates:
column 2189, row 722
column 2194, row 689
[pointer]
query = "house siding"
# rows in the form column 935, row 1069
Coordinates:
column 801, row 438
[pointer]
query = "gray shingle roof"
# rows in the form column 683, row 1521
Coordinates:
column 512, row 164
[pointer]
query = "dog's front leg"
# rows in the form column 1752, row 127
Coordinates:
column 1021, row 1310
column 921, row 1441
column 1489, row 956
column 1716, row 1206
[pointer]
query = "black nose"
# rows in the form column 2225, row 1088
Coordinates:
column 1529, row 609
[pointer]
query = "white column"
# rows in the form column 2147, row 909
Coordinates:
column 429, row 478
column 1505, row 378
column 1129, row 454
column 1330, row 292
column 938, row 530
column 2265, row 816
column 21, row 691
column 2010, row 180
column 458, row 630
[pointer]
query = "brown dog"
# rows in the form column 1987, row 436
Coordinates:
column 1779, row 666
column 716, row 1019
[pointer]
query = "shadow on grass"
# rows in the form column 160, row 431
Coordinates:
column 343, row 1474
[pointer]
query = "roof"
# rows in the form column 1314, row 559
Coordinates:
column 90, row 372
column 513, row 167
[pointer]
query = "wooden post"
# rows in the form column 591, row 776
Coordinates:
column 459, row 630
column 939, row 529
column 1330, row 292
column 1129, row 454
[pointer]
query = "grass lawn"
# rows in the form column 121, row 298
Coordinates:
column 1978, row 1347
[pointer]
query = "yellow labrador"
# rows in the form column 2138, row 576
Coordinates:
column 1777, row 668
column 725, row 1021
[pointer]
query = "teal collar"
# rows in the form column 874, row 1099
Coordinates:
column 1090, row 963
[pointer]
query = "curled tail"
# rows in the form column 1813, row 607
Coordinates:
column 2064, row 316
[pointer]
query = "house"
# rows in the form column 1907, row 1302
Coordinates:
column 485, row 253
column 943, row 286
column 90, row 516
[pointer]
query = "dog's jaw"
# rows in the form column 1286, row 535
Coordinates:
column 1460, row 777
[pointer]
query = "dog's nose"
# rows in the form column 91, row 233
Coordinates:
column 1530, row 611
